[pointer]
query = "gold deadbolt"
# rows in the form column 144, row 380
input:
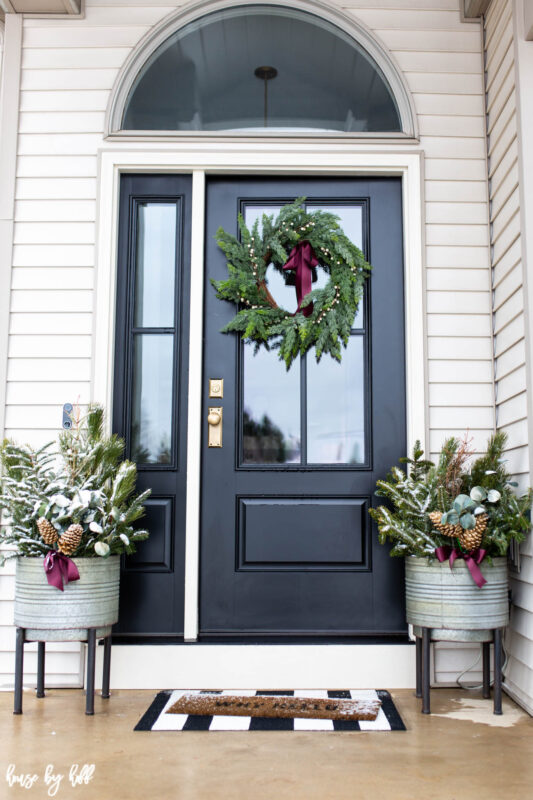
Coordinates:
column 214, row 421
column 216, row 387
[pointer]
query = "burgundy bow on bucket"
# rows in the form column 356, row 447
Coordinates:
column 59, row 569
column 472, row 559
column 302, row 259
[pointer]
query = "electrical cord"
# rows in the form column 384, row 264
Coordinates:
column 477, row 686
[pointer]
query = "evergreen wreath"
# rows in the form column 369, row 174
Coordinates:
column 324, row 317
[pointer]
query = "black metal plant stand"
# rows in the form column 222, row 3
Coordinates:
column 91, row 659
column 423, row 652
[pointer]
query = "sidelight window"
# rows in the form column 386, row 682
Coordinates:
column 153, row 332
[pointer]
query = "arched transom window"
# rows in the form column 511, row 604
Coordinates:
column 261, row 66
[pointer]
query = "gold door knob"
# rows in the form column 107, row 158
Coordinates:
column 214, row 422
column 214, row 417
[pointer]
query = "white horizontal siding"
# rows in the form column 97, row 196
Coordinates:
column 511, row 376
column 32, row 278
column 55, row 211
column 446, row 657
column 68, row 70
column 47, row 369
column 477, row 438
column 459, row 348
column 508, row 299
column 44, row 323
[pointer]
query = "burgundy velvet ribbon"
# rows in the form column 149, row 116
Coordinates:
column 472, row 559
column 302, row 259
column 59, row 569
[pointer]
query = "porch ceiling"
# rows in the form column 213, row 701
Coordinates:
column 62, row 7
column 475, row 8
column 471, row 10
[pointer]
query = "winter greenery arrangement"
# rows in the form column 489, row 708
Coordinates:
column 295, row 243
column 78, row 499
column 469, row 504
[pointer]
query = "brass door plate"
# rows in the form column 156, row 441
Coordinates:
column 214, row 423
column 216, row 387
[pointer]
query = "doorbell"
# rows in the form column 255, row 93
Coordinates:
column 67, row 419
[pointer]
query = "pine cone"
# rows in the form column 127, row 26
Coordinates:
column 47, row 531
column 471, row 540
column 445, row 530
column 69, row 541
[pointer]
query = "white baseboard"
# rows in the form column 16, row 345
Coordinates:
column 197, row 666
column 518, row 696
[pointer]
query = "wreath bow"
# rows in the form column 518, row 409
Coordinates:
column 296, row 240
column 302, row 259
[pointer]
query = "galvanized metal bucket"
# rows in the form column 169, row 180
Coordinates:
column 449, row 602
column 49, row 614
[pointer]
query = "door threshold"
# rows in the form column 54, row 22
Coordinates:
column 262, row 666
column 289, row 639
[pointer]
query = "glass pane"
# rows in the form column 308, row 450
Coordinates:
column 271, row 418
column 336, row 407
column 351, row 221
column 155, row 268
column 207, row 76
column 151, row 419
column 285, row 296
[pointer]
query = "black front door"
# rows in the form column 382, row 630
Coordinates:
column 287, row 545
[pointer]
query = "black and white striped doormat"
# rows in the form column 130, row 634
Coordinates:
column 156, row 718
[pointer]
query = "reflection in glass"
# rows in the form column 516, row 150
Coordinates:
column 351, row 222
column 271, row 417
column 151, row 419
column 155, row 265
column 284, row 295
column 253, row 214
column 336, row 407
column 202, row 77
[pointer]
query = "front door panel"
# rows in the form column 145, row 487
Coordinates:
column 287, row 545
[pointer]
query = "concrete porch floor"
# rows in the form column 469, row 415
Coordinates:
column 445, row 756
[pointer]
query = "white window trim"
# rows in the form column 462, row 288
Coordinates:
column 200, row 8
column 10, row 71
column 238, row 158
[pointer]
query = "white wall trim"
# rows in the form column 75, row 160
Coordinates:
column 523, row 57
column 238, row 158
column 194, row 429
column 517, row 694
column 9, row 117
column 200, row 8
column 197, row 666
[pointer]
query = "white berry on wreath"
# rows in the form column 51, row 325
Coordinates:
column 324, row 317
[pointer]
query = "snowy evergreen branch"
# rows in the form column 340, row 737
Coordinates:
column 425, row 487
column 85, row 483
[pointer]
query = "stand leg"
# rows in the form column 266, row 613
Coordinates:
column 107, row 667
column 426, row 643
column 498, row 671
column 40, row 669
column 19, row 670
column 91, row 656
column 418, row 690
column 486, row 669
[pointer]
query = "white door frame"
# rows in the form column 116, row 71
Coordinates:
column 296, row 157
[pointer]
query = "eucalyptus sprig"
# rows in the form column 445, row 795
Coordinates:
column 465, row 508
column 426, row 488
